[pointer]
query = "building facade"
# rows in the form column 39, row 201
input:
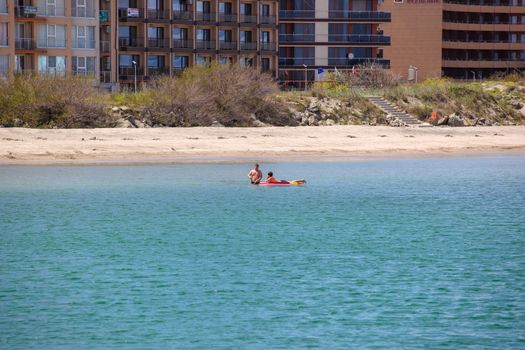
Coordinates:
column 328, row 34
column 53, row 37
column 463, row 39
column 140, row 39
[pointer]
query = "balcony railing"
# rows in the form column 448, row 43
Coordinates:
column 26, row 11
column 290, row 14
column 128, row 73
column 297, row 37
column 227, row 45
column 182, row 44
column 48, row 43
column 345, row 62
column 248, row 19
column 484, row 59
column 227, row 17
column 157, row 43
column 84, row 73
column 248, row 45
column 124, row 42
column 341, row 38
column 205, row 44
column 486, row 2
column 25, row 43
column 180, row 15
column 156, row 71
column 296, row 61
column 268, row 46
column 360, row 15
column 130, row 13
column 205, row 16
column 105, row 46
column 480, row 21
column 268, row 20
column 158, row 14
column 105, row 76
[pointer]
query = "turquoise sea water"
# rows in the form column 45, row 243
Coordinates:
column 390, row 254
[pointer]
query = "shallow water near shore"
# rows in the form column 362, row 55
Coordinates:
column 406, row 253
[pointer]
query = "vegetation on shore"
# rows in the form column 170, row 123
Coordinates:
column 234, row 96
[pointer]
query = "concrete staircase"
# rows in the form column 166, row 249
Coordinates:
column 395, row 113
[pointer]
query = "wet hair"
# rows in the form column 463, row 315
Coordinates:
column 256, row 165
column 270, row 174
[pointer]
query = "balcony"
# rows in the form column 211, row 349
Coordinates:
column 227, row 18
column 130, row 43
column 517, row 3
column 268, row 46
column 158, row 43
column 103, row 16
column 208, row 17
column 296, row 14
column 268, row 20
column 26, row 11
column 105, row 46
column 130, row 14
column 205, row 45
column 105, row 76
column 129, row 73
column 248, row 19
column 307, row 38
column 157, row 71
column 227, row 45
column 248, row 46
column 296, row 61
column 84, row 73
column 368, row 16
column 158, row 15
column 345, row 62
column 368, row 39
column 25, row 44
column 185, row 16
column 182, row 44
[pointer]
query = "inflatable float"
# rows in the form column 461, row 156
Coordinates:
column 283, row 183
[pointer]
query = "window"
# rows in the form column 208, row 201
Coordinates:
column 51, row 36
column 225, row 8
column 203, row 6
column 246, row 62
column 3, row 6
column 179, row 5
column 54, row 65
column 4, row 65
column 265, row 64
column 203, row 34
column 126, row 61
column 225, row 35
column 225, row 60
column 265, row 37
column 265, row 10
column 3, row 34
column 51, row 7
column 246, row 36
column 156, row 62
column 246, row 9
column 83, row 37
column 203, row 60
column 83, row 65
column 180, row 62
column 180, row 33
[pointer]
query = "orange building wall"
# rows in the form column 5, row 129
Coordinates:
column 416, row 36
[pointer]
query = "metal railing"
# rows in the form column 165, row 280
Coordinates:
column 205, row 16
column 105, row 46
column 105, row 76
column 181, row 15
column 346, row 38
column 182, row 44
column 26, row 11
column 360, row 15
column 158, row 43
column 131, row 13
column 25, row 43
column 484, row 59
column 248, row 19
column 155, row 71
column 486, row 2
column 124, row 42
column 471, row 21
column 248, row 45
column 296, row 61
column 345, row 62
column 158, row 14
column 227, row 17
column 268, row 20
column 284, row 14
column 205, row 44
column 265, row 46
column 227, row 45
column 82, row 12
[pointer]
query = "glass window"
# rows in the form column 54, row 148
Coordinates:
column 155, row 61
column 180, row 33
column 203, row 6
column 225, row 8
column 3, row 34
column 3, row 6
column 180, row 62
column 246, row 9
column 4, row 64
column 225, row 35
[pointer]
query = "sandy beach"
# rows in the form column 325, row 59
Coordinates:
column 19, row 146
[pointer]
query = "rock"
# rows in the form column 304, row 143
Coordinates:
column 456, row 120
column 216, row 124
column 329, row 122
column 443, row 121
column 259, row 124
column 124, row 108
column 516, row 104
column 125, row 123
column 115, row 109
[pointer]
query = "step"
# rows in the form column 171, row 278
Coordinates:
column 395, row 111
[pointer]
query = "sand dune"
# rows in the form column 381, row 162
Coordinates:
column 172, row 145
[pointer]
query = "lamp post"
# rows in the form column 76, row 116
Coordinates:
column 473, row 75
column 305, row 76
column 135, row 76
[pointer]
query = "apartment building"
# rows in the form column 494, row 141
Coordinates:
column 465, row 39
column 54, row 37
column 140, row 39
column 328, row 34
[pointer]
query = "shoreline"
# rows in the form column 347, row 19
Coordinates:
column 48, row 147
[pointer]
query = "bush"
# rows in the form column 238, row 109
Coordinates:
column 227, row 94
column 42, row 101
